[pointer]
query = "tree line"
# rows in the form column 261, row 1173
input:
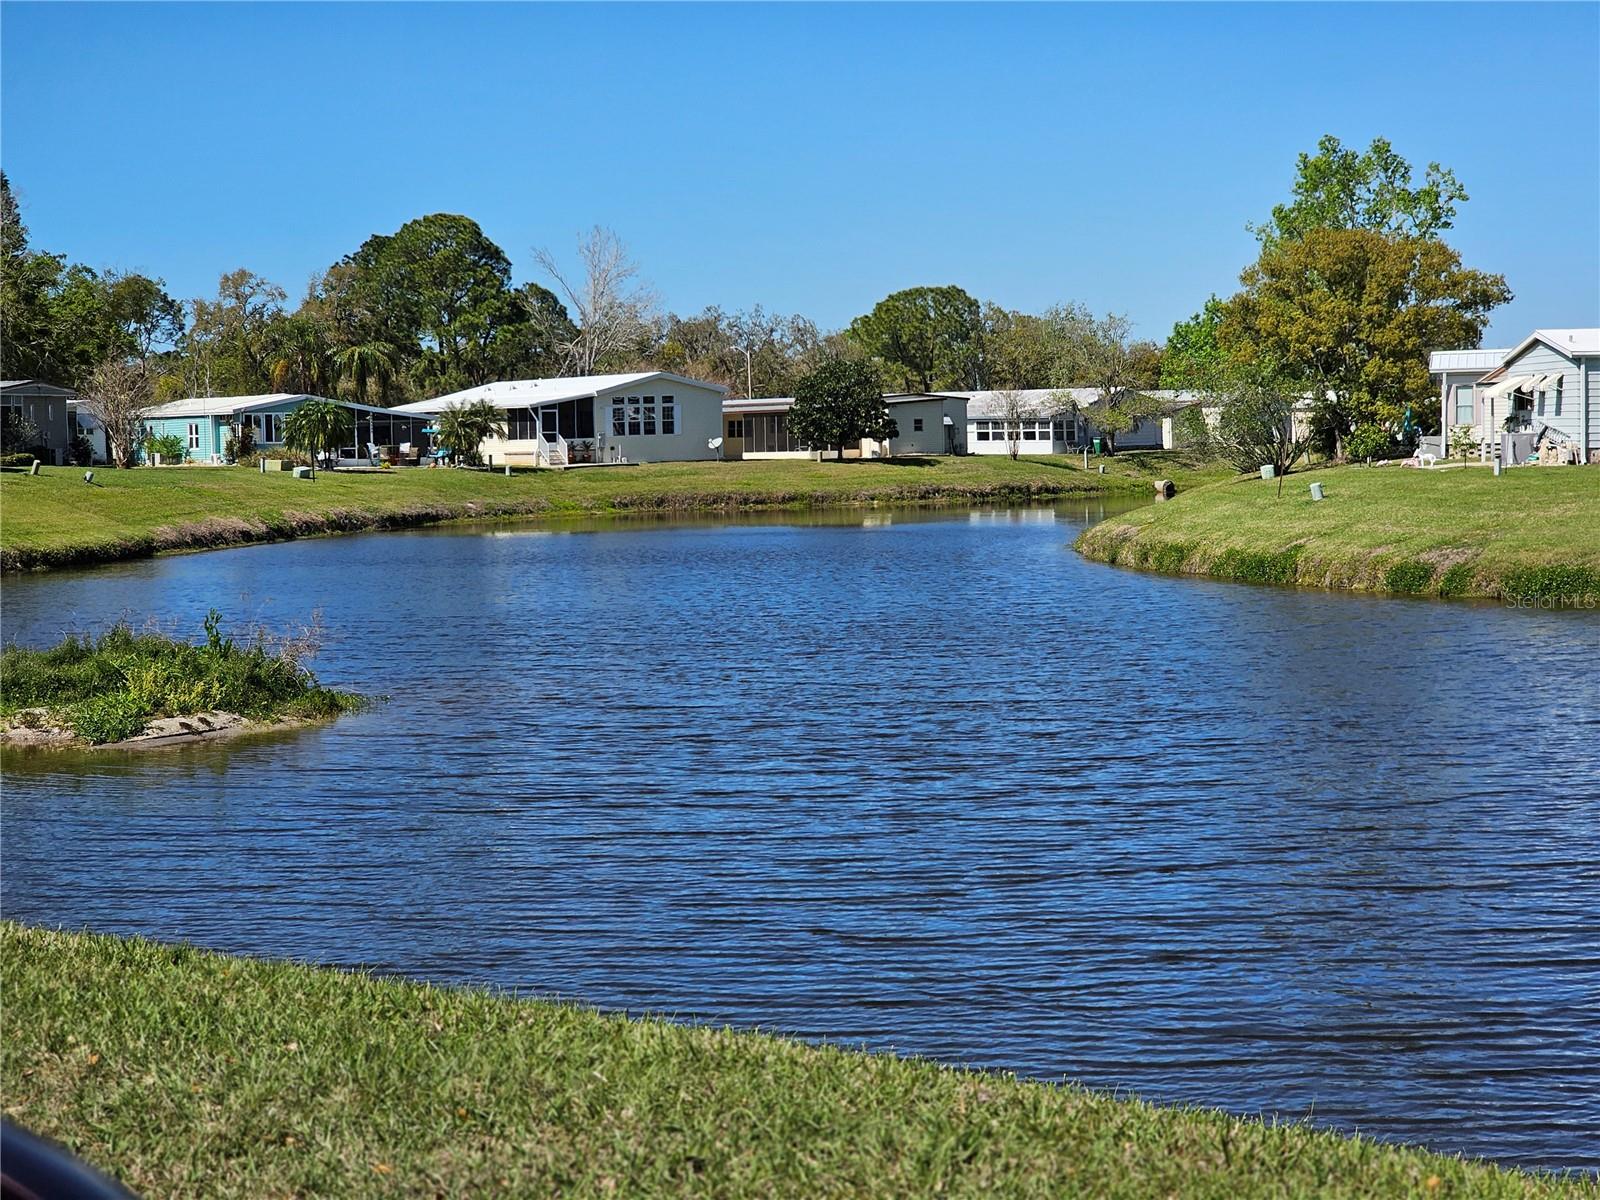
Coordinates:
column 1353, row 284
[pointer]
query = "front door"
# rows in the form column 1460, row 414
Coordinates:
column 547, row 423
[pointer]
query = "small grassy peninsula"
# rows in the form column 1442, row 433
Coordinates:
column 1531, row 536
column 54, row 519
column 195, row 1074
column 149, row 688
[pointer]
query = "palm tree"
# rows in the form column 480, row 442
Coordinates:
column 299, row 360
column 364, row 365
column 317, row 425
column 463, row 427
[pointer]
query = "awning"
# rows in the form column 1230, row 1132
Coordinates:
column 1552, row 381
column 1507, row 386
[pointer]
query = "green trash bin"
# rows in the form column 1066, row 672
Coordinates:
column 1097, row 446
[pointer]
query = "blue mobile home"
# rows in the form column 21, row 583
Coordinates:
column 206, row 424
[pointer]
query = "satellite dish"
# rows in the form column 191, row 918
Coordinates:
column 714, row 444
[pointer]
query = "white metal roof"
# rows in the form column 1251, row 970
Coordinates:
column 1573, row 343
column 1051, row 401
column 1465, row 360
column 528, row 393
column 758, row 404
column 221, row 406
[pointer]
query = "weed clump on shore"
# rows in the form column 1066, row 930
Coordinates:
column 109, row 688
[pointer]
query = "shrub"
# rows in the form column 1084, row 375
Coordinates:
column 1561, row 584
column 1249, row 566
column 170, row 446
column 1463, row 442
column 1367, row 442
column 109, row 718
column 18, row 459
column 1410, row 577
column 1456, row 580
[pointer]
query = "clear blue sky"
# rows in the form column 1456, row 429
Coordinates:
column 809, row 159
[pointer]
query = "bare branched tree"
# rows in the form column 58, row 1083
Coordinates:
column 118, row 395
column 613, row 310
column 1015, row 408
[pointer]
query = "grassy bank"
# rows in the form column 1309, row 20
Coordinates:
column 1531, row 535
column 188, row 1073
column 113, row 687
column 55, row 519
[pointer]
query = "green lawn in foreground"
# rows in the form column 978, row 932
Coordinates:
column 1532, row 533
column 56, row 519
column 189, row 1073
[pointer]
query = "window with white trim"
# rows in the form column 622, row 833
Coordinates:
column 1464, row 404
column 916, row 424
column 1555, row 397
column 669, row 415
column 194, row 435
column 619, row 418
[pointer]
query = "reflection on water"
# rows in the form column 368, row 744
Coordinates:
column 925, row 781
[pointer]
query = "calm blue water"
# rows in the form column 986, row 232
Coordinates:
column 927, row 783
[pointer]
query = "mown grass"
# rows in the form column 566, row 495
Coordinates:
column 196, row 1074
column 55, row 519
column 108, row 688
column 1532, row 535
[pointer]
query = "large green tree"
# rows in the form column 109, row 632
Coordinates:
column 28, row 279
column 1341, row 188
column 1102, row 353
column 752, row 353
column 439, row 290
column 925, row 338
column 838, row 404
column 59, row 321
column 1015, row 350
column 229, row 345
column 1353, row 313
column 1192, row 358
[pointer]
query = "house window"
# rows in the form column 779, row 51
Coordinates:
column 521, row 425
column 1555, row 396
column 634, row 416
column 619, row 419
column 669, row 415
column 736, row 427
column 650, row 415
column 1464, row 404
column 194, row 435
column 916, row 424
column 980, row 431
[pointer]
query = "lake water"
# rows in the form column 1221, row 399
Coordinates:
column 924, row 782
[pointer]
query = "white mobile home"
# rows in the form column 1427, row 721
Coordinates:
column 644, row 416
column 1054, row 421
column 925, row 423
column 1541, row 396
